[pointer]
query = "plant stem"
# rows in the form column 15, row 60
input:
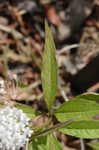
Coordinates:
column 54, row 128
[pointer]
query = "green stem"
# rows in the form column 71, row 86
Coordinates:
column 54, row 128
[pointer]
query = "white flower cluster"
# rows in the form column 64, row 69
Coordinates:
column 14, row 130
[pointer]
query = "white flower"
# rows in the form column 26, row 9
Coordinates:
column 14, row 130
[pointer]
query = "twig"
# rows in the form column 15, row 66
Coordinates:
column 64, row 95
column 82, row 144
column 67, row 48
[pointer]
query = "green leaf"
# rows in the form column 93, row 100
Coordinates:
column 43, row 147
column 49, row 142
column 79, row 109
column 94, row 145
column 89, row 97
column 53, row 143
column 30, row 146
column 39, row 143
column 29, row 111
column 49, row 69
column 83, row 129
